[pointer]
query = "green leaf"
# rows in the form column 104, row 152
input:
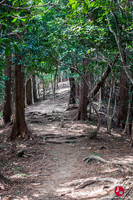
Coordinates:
column 14, row 20
column 6, row 40
column 7, row 51
column 24, row 20
column 16, row 48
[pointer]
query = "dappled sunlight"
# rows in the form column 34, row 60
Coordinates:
column 87, row 188
column 109, row 170
column 18, row 176
column 52, row 104
column 53, row 165
column 35, row 195
column 21, row 198
column 63, row 90
column 117, row 134
column 92, row 126
column 124, row 159
column 93, row 192
column 72, row 129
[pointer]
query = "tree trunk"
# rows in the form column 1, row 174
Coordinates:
column 102, row 80
column 19, row 128
column 122, row 115
column 7, row 110
column 111, row 111
column 82, row 109
column 123, row 104
column 83, row 96
column 34, row 88
column 102, row 91
column 29, row 92
column 128, row 123
column 77, row 85
column 38, row 89
column 93, row 135
column 57, row 81
column 72, row 96
column 43, row 82
column 131, row 141
column 100, row 99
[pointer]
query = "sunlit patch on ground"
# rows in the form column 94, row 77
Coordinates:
column 87, row 188
column 56, row 170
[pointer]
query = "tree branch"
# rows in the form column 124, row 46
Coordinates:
column 73, row 68
column 111, row 30
column 27, row 8
column 128, row 75
column 2, row 2
column 104, row 76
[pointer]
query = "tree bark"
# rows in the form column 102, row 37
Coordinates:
column 34, row 88
column 131, row 141
column 83, row 102
column 72, row 96
column 77, row 89
column 123, row 103
column 54, row 81
column 19, row 128
column 82, row 110
column 128, row 123
column 7, row 110
column 29, row 92
column 123, row 77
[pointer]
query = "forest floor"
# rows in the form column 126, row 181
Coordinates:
column 52, row 166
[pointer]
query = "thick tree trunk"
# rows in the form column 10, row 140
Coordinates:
column 7, row 110
column 122, row 115
column 29, row 92
column 82, row 109
column 34, row 88
column 123, row 104
column 93, row 93
column 19, row 128
column 72, row 96
column 83, row 101
column 77, row 89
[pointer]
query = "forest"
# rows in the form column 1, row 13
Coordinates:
column 66, row 99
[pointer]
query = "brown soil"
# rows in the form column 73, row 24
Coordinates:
column 51, row 166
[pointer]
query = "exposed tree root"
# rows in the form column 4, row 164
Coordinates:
column 96, row 180
column 61, row 139
column 72, row 107
column 117, row 163
column 86, row 183
column 59, row 142
column 21, row 133
column 107, row 186
column 91, row 158
column 82, row 183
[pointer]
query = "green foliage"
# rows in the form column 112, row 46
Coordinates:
column 64, row 37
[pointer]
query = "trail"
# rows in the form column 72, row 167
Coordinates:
column 52, row 167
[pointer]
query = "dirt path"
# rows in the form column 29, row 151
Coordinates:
column 52, row 167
